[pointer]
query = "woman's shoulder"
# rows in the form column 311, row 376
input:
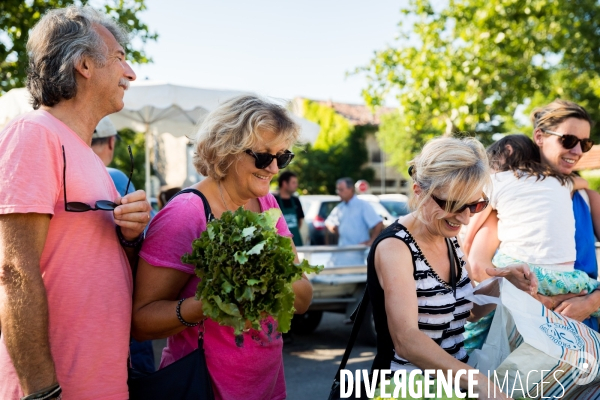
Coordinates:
column 397, row 238
column 400, row 231
column 172, row 231
column 183, row 209
column 267, row 202
column 183, row 202
column 391, row 252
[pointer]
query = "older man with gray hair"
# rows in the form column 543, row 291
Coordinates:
column 352, row 219
column 67, row 239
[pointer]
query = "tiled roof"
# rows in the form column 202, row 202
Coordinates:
column 357, row 114
column 590, row 160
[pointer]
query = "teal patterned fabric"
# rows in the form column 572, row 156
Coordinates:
column 476, row 332
column 550, row 283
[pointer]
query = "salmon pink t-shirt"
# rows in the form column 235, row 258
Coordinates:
column 247, row 369
column 84, row 268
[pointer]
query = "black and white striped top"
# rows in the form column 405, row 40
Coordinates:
column 441, row 316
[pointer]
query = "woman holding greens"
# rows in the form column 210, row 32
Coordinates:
column 239, row 147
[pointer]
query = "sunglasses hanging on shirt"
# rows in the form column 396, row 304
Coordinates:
column 102, row 205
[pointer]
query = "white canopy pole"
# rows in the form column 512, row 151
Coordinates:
column 147, row 161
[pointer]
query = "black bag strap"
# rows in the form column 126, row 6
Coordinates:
column 207, row 211
column 453, row 271
column 357, row 316
column 209, row 217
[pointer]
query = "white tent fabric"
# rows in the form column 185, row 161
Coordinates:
column 177, row 109
column 13, row 103
column 167, row 108
column 155, row 107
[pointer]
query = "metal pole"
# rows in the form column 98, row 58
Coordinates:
column 147, row 148
column 382, row 171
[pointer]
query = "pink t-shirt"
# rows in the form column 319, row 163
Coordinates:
column 248, row 369
column 85, row 270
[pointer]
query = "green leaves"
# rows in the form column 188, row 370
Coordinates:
column 257, row 249
column 17, row 17
column 121, row 160
column 340, row 150
column 466, row 66
column 246, row 270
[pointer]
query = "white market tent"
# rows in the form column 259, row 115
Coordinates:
column 14, row 103
column 155, row 108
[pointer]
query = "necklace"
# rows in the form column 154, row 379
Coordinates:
column 223, row 198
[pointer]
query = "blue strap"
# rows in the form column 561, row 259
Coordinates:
column 585, row 241
column 585, row 245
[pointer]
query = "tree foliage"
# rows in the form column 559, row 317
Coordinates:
column 335, row 129
column 467, row 66
column 17, row 17
column 339, row 151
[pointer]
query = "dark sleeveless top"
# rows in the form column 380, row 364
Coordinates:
column 442, row 316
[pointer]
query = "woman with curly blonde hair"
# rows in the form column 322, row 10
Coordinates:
column 240, row 146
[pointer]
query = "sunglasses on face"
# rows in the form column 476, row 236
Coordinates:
column 474, row 208
column 569, row 141
column 103, row 205
column 263, row 160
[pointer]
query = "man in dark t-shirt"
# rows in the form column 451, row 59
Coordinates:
column 290, row 205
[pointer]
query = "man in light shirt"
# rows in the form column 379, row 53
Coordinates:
column 354, row 220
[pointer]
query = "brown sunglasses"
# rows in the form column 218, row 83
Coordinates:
column 569, row 141
column 474, row 208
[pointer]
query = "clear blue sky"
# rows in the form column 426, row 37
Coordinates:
column 276, row 48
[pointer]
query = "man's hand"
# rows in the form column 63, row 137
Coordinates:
column 332, row 228
column 551, row 302
column 374, row 233
column 517, row 274
column 133, row 214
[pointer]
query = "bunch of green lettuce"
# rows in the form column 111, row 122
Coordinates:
column 246, row 270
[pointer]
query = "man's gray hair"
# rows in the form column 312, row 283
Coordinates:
column 57, row 43
column 348, row 181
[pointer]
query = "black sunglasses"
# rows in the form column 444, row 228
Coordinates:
column 263, row 160
column 474, row 208
column 103, row 205
column 569, row 141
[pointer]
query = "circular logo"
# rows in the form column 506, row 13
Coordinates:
column 563, row 336
column 587, row 370
column 361, row 186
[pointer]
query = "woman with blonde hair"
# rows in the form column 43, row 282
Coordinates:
column 417, row 275
column 239, row 147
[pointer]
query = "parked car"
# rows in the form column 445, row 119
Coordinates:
column 316, row 209
column 396, row 204
column 338, row 288
column 383, row 212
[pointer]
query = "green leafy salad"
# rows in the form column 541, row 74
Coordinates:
column 246, row 270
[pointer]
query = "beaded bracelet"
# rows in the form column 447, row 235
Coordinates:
column 54, row 393
column 126, row 243
column 180, row 318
